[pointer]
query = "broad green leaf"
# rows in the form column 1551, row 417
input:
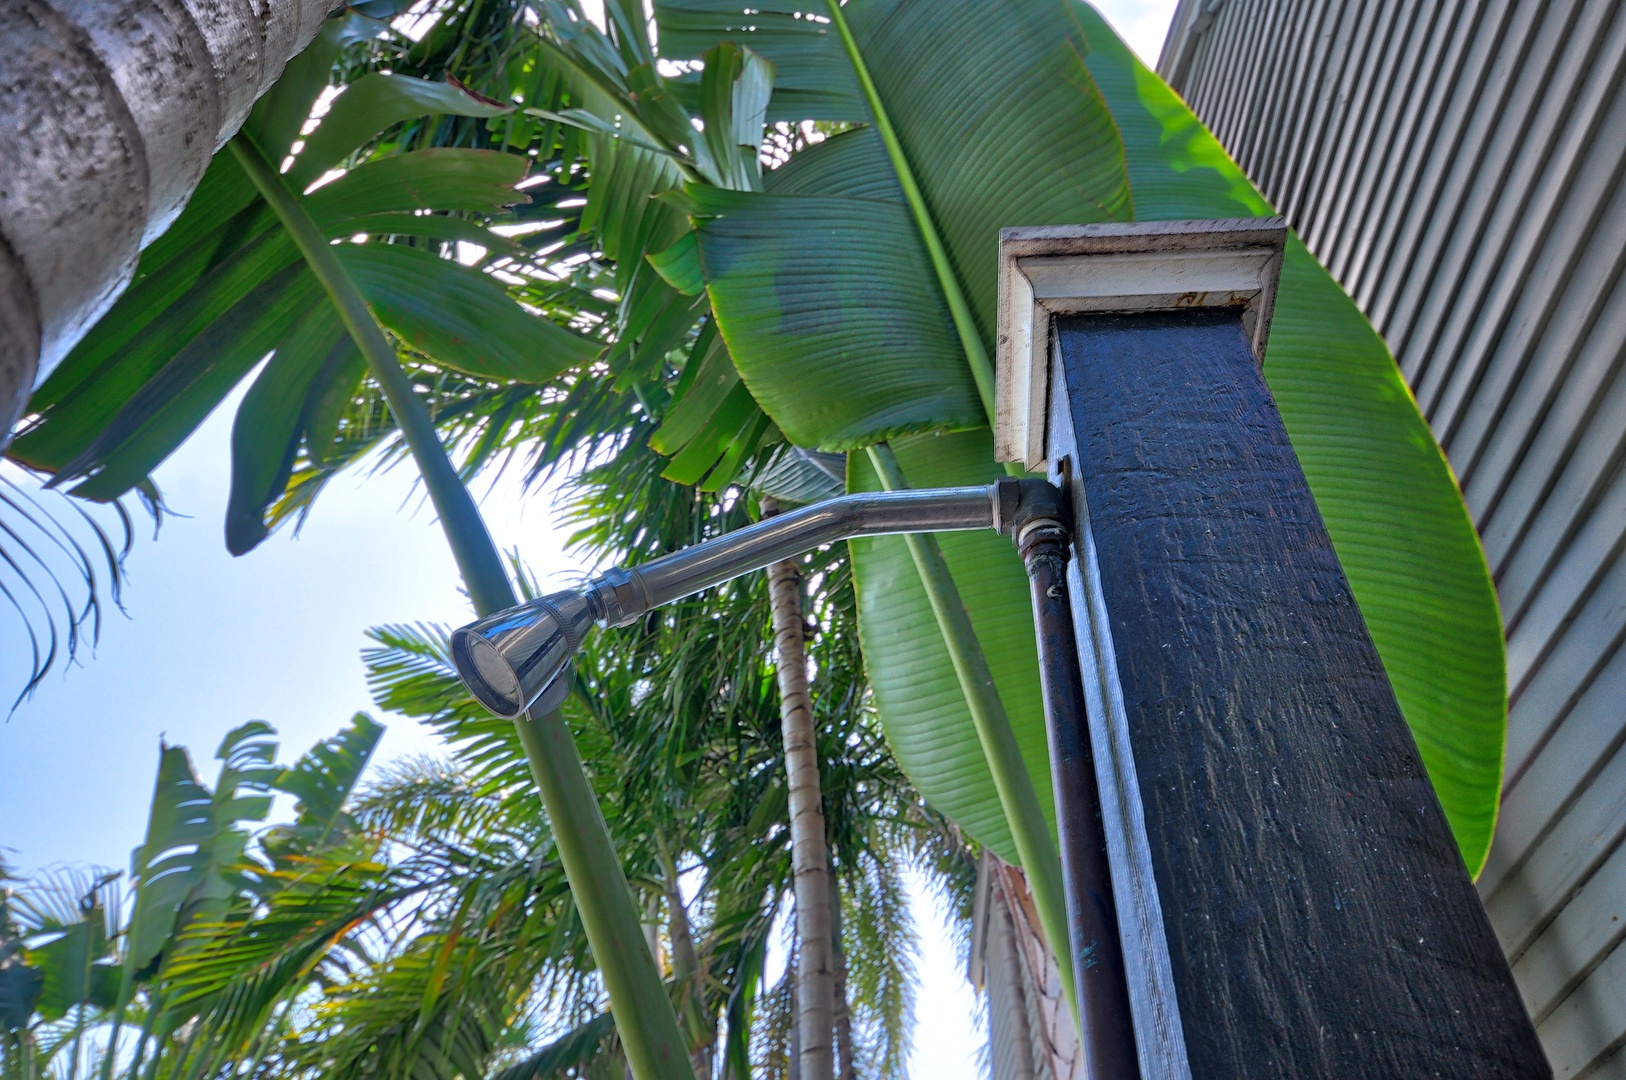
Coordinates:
column 679, row 265
column 114, row 371
column 1380, row 480
column 708, row 378
column 734, row 89
column 797, row 477
column 171, row 860
column 916, row 690
column 76, row 966
column 331, row 393
column 812, row 78
column 711, row 458
column 459, row 316
column 368, row 106
column 322, row 781
column 266, row 432
column 20, row 988
column 171, row 405
column 999, row 128
column 712, row 424
column 441, row 179
column 281, row 113
column 438, row 227
column 797, row 293
column 242, row 795
column 247, row 758
column 830, row 312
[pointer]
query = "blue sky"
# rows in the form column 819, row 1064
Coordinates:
column 211, row 642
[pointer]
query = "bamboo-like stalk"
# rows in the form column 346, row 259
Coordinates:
column 810, row 859
column 477, row 559
column 643, row 1014
column 1029, row 827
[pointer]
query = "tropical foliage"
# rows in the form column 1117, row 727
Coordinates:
column 681, row 257
column 421, row 924
column 852, row 288
column 226, row 924
column 61, row 569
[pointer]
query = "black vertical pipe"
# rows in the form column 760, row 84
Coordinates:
column 1108, row 1032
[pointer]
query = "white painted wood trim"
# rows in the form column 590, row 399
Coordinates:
column 1135, row 266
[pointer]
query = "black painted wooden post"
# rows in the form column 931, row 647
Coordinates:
column 1290, row 898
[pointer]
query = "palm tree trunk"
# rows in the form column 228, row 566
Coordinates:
column 111, row 115
column 810, row 860
column 686, row 971
column 793, row 1056
column 846, row 1068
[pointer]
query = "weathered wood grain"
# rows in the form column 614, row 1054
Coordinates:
column 1318, row 916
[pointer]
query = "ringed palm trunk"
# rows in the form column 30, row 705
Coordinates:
column 810, row 859
column 110, row 111
column 846, row 1069
column 686, row 967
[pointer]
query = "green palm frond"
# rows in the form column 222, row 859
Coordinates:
column 579, row 1052
column 61, row 565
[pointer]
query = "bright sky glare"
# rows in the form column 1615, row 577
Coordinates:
column 212, row 641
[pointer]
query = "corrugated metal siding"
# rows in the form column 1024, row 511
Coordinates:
column 1458, row 166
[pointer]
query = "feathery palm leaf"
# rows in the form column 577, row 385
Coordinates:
column 60, row 565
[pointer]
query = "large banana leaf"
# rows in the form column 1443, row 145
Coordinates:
column 913, row 678
column 188, row 864
column 843, row 330
column 75, row 967
column 1380, row 480
column 226, row 288
column 323, row 781
column 830, row 270
column 1390, row 502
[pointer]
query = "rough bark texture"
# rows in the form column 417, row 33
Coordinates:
column 109, row 113
column 686, row 969
column 1319, row 919
column 810, row 863
column 846, row 1067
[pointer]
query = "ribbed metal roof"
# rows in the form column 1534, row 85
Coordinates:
column 1459, row 168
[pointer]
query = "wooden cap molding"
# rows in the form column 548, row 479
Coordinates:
column 1128, row 266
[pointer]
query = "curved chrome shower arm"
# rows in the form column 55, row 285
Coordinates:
column 623, row 594
column 513, row 658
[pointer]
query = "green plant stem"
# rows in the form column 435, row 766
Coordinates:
column 1029, row 827
column 976, row 355
column 476, row 556
column 154, row 1007
column 643, row 1013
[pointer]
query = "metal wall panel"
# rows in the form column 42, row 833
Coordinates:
column 1461, row 167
